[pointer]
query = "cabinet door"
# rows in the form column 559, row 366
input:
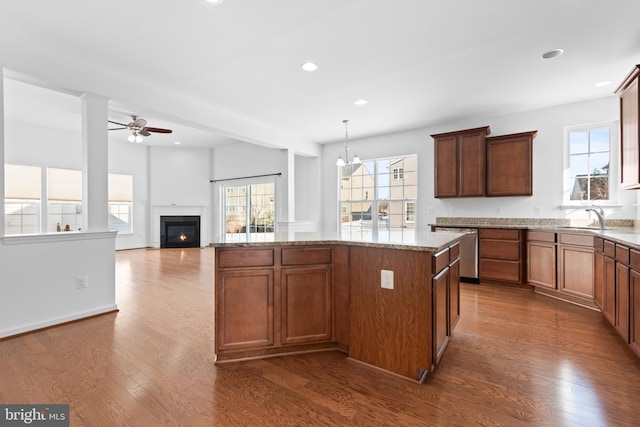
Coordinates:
column 598, row 279
column 306, row 305
column 541, row 264
column 440, row 315
column 509, row 165
column 622, row 300
column 244, row 315
column 575, row 273
column 472, row 164
column 630, row 132
column 446, row 166
column 634, row 311
column 609, row 306
column 454, row 295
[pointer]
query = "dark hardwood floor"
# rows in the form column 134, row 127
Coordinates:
column 515, row 359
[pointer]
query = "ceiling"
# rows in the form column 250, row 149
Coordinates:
column 232, row 72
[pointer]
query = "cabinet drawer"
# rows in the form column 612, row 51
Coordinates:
column 576, row 239
column 622, row 254
column 542, row 236
column 499, row 249
column 598, row 244
column 492, row 233
column 454, row 251
column 440, row 260
column 609, row 248
column 244, row 257
column 500, row 270
column 306, row 256
column 634, row 259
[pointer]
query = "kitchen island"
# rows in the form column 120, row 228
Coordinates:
column 386, row 303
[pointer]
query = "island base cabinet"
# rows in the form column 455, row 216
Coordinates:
column 440, row 310
column 306, row 303
column 245, row 309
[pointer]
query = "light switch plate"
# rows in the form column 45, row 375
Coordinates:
column 386, row 279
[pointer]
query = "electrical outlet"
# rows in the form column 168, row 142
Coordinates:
column 537, row 210
column 82, row 282
column 431, row 210
column 386, row 279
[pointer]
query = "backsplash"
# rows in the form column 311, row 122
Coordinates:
column 531, row 222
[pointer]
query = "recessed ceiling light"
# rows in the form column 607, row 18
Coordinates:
column 177, row 142
column 603, row 83
column 361, row 102
column 214, row 1
column 309, row 66
column 552, row 53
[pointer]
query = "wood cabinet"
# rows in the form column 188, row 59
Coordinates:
column 622, row 289
column 575, row 264
column 446, row 297
column 509, row 164
column 541, row 258
column 270, row 298
column 630, row 129
column 598, row 272
column 634, row 308
column 609, row 300
column 502, row 255
column 459, row 163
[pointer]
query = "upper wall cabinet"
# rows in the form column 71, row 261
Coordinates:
column 509, row 164
column 460, row 163
column 629, row 130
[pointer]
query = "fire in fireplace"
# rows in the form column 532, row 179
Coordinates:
column 179, row 231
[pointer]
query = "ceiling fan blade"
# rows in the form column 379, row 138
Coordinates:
column 117, row 123
column 144, row 132
column 157, row 130
column 119, row 128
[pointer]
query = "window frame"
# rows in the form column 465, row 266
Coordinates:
column 614, row 165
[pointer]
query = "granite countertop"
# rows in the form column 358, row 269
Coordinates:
column 622, row 231
column 424, row 241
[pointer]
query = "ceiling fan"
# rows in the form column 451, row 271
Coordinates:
column 139, row 129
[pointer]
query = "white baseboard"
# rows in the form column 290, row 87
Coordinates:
column 53, row 322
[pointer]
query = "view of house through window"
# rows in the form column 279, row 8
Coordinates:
column 249, row 211
column 589, row 163
column 378, row 198
column 120, row 202
column 64, row 199
column 24, row 190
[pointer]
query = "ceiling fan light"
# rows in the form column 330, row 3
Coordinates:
column 139, row 139
column 131, row 138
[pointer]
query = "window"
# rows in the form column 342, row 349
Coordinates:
column 378, row 198
column 589, row 163
column 249, row 210
column 22, row 199
column 120, row 202
column 64, row 199
column 398, row 173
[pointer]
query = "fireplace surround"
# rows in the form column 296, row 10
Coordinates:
column 180, row 231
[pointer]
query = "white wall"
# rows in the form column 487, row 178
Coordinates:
column 548, row 155
column 132, row 159
column 179, row 176
column 38, row 279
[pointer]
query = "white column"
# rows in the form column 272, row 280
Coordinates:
column 286, row 196
column 94, row 162
column 1, row 151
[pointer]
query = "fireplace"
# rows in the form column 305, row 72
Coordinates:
column 180, row 231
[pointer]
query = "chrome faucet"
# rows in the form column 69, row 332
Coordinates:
column 599, row 213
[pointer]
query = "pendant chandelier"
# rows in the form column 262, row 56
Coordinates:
column 343, row 162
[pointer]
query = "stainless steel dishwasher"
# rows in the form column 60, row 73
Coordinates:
column 468, row 252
